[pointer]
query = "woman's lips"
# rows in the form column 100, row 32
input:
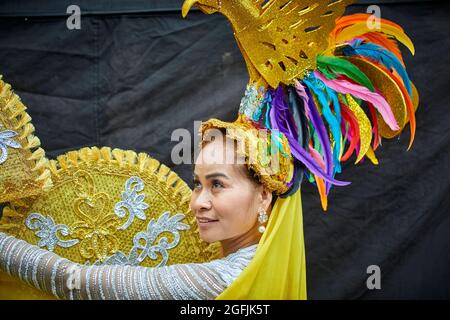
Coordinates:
column 205, row 221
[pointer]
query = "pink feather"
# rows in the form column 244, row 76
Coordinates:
column 316, row 155
column 302, row 93
column 344, row 86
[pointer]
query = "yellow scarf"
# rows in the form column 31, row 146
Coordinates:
column 278, row 269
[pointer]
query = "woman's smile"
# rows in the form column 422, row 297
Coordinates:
column 205, row 222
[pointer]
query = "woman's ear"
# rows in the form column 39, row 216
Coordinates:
column 266, row 198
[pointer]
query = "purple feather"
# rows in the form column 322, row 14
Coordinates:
column 320, row 129
column 280, row 116
column 281, row 120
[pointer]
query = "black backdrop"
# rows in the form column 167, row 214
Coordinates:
column 136, row 71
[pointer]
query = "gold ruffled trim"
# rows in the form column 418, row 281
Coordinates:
column 14, row 115
column 276, row 182
column 127, row 162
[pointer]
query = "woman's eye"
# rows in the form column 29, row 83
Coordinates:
column 196, row 184
column 217, row 184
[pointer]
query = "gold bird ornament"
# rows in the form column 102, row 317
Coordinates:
column 278, row 39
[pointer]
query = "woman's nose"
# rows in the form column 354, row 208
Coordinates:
column 202, row 201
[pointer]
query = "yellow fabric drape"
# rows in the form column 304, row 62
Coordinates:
column 278, row 269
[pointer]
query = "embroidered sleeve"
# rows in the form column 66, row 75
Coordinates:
column 68, row 280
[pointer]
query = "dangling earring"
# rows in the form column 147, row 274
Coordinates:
column 262, row 218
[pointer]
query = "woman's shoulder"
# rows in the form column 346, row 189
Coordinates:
column 232, row 265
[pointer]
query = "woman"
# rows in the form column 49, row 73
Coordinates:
column 231, row 206
column 313, row 109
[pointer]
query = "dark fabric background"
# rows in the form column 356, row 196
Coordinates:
column 127, row 80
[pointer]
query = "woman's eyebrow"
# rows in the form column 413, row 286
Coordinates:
column 216, row 174
column 213, row 175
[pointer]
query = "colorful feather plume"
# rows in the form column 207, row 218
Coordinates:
column 331, row 113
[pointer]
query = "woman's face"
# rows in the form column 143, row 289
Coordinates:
column 224, row 200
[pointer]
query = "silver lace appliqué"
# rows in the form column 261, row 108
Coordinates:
column 132, row 202
column 48, row 231
column 165, row 223
column 7, row 141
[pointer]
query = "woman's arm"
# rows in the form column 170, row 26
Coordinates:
column 68, row 280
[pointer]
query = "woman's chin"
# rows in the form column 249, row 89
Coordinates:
column 208, row 232
column 207, row 237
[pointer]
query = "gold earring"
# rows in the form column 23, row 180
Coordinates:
column 262, row 218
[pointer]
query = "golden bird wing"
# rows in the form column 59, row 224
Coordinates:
column 283, row 41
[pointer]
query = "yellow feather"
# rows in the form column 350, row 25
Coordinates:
column 365, row 128
column 371, row 155
column 361, row 28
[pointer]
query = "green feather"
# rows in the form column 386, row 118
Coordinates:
column 341, row 66
column 326, row 72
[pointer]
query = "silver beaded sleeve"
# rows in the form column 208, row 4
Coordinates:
column 68, row 280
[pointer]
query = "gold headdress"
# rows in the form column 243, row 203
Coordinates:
column 318, row 82
column 270, row 165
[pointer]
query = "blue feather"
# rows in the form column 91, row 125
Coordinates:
column 268, row 102
column 318, row 87
column 337, row 110
column 381, row 55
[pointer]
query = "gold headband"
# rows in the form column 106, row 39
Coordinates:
column 273, row 168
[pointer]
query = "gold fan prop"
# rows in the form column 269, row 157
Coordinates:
column 107, row 207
